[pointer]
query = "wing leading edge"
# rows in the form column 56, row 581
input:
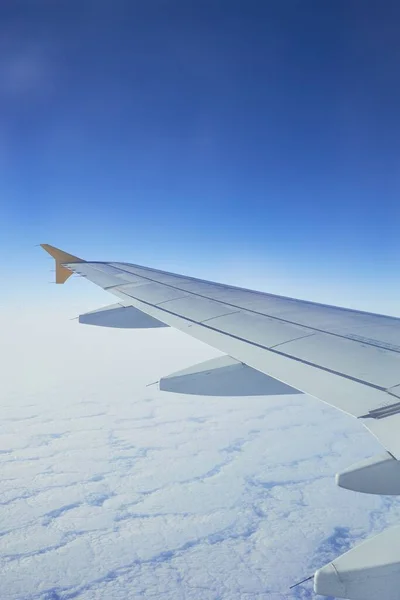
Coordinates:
column 346, row 358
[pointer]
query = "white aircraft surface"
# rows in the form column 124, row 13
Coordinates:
column 347, row 358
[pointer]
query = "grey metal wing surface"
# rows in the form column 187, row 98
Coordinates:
column 347, row 358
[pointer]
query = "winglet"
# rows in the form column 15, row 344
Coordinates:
column 62, row 273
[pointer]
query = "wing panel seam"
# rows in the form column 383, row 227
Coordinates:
column 252, row 311
column 256, row 344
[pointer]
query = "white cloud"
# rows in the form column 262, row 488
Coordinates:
column 113, row 490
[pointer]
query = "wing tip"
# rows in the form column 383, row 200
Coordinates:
column 62, row 272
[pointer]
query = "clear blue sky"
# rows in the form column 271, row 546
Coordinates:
column 207, row 131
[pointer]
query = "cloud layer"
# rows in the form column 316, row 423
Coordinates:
column 113, row 490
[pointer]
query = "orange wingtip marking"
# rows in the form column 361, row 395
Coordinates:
column 62, row 272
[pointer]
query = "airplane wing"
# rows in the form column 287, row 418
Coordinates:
column 347, row 358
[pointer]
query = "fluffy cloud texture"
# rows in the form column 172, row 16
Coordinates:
column 111, row 489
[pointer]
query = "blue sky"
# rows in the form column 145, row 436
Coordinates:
column 181, row 135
